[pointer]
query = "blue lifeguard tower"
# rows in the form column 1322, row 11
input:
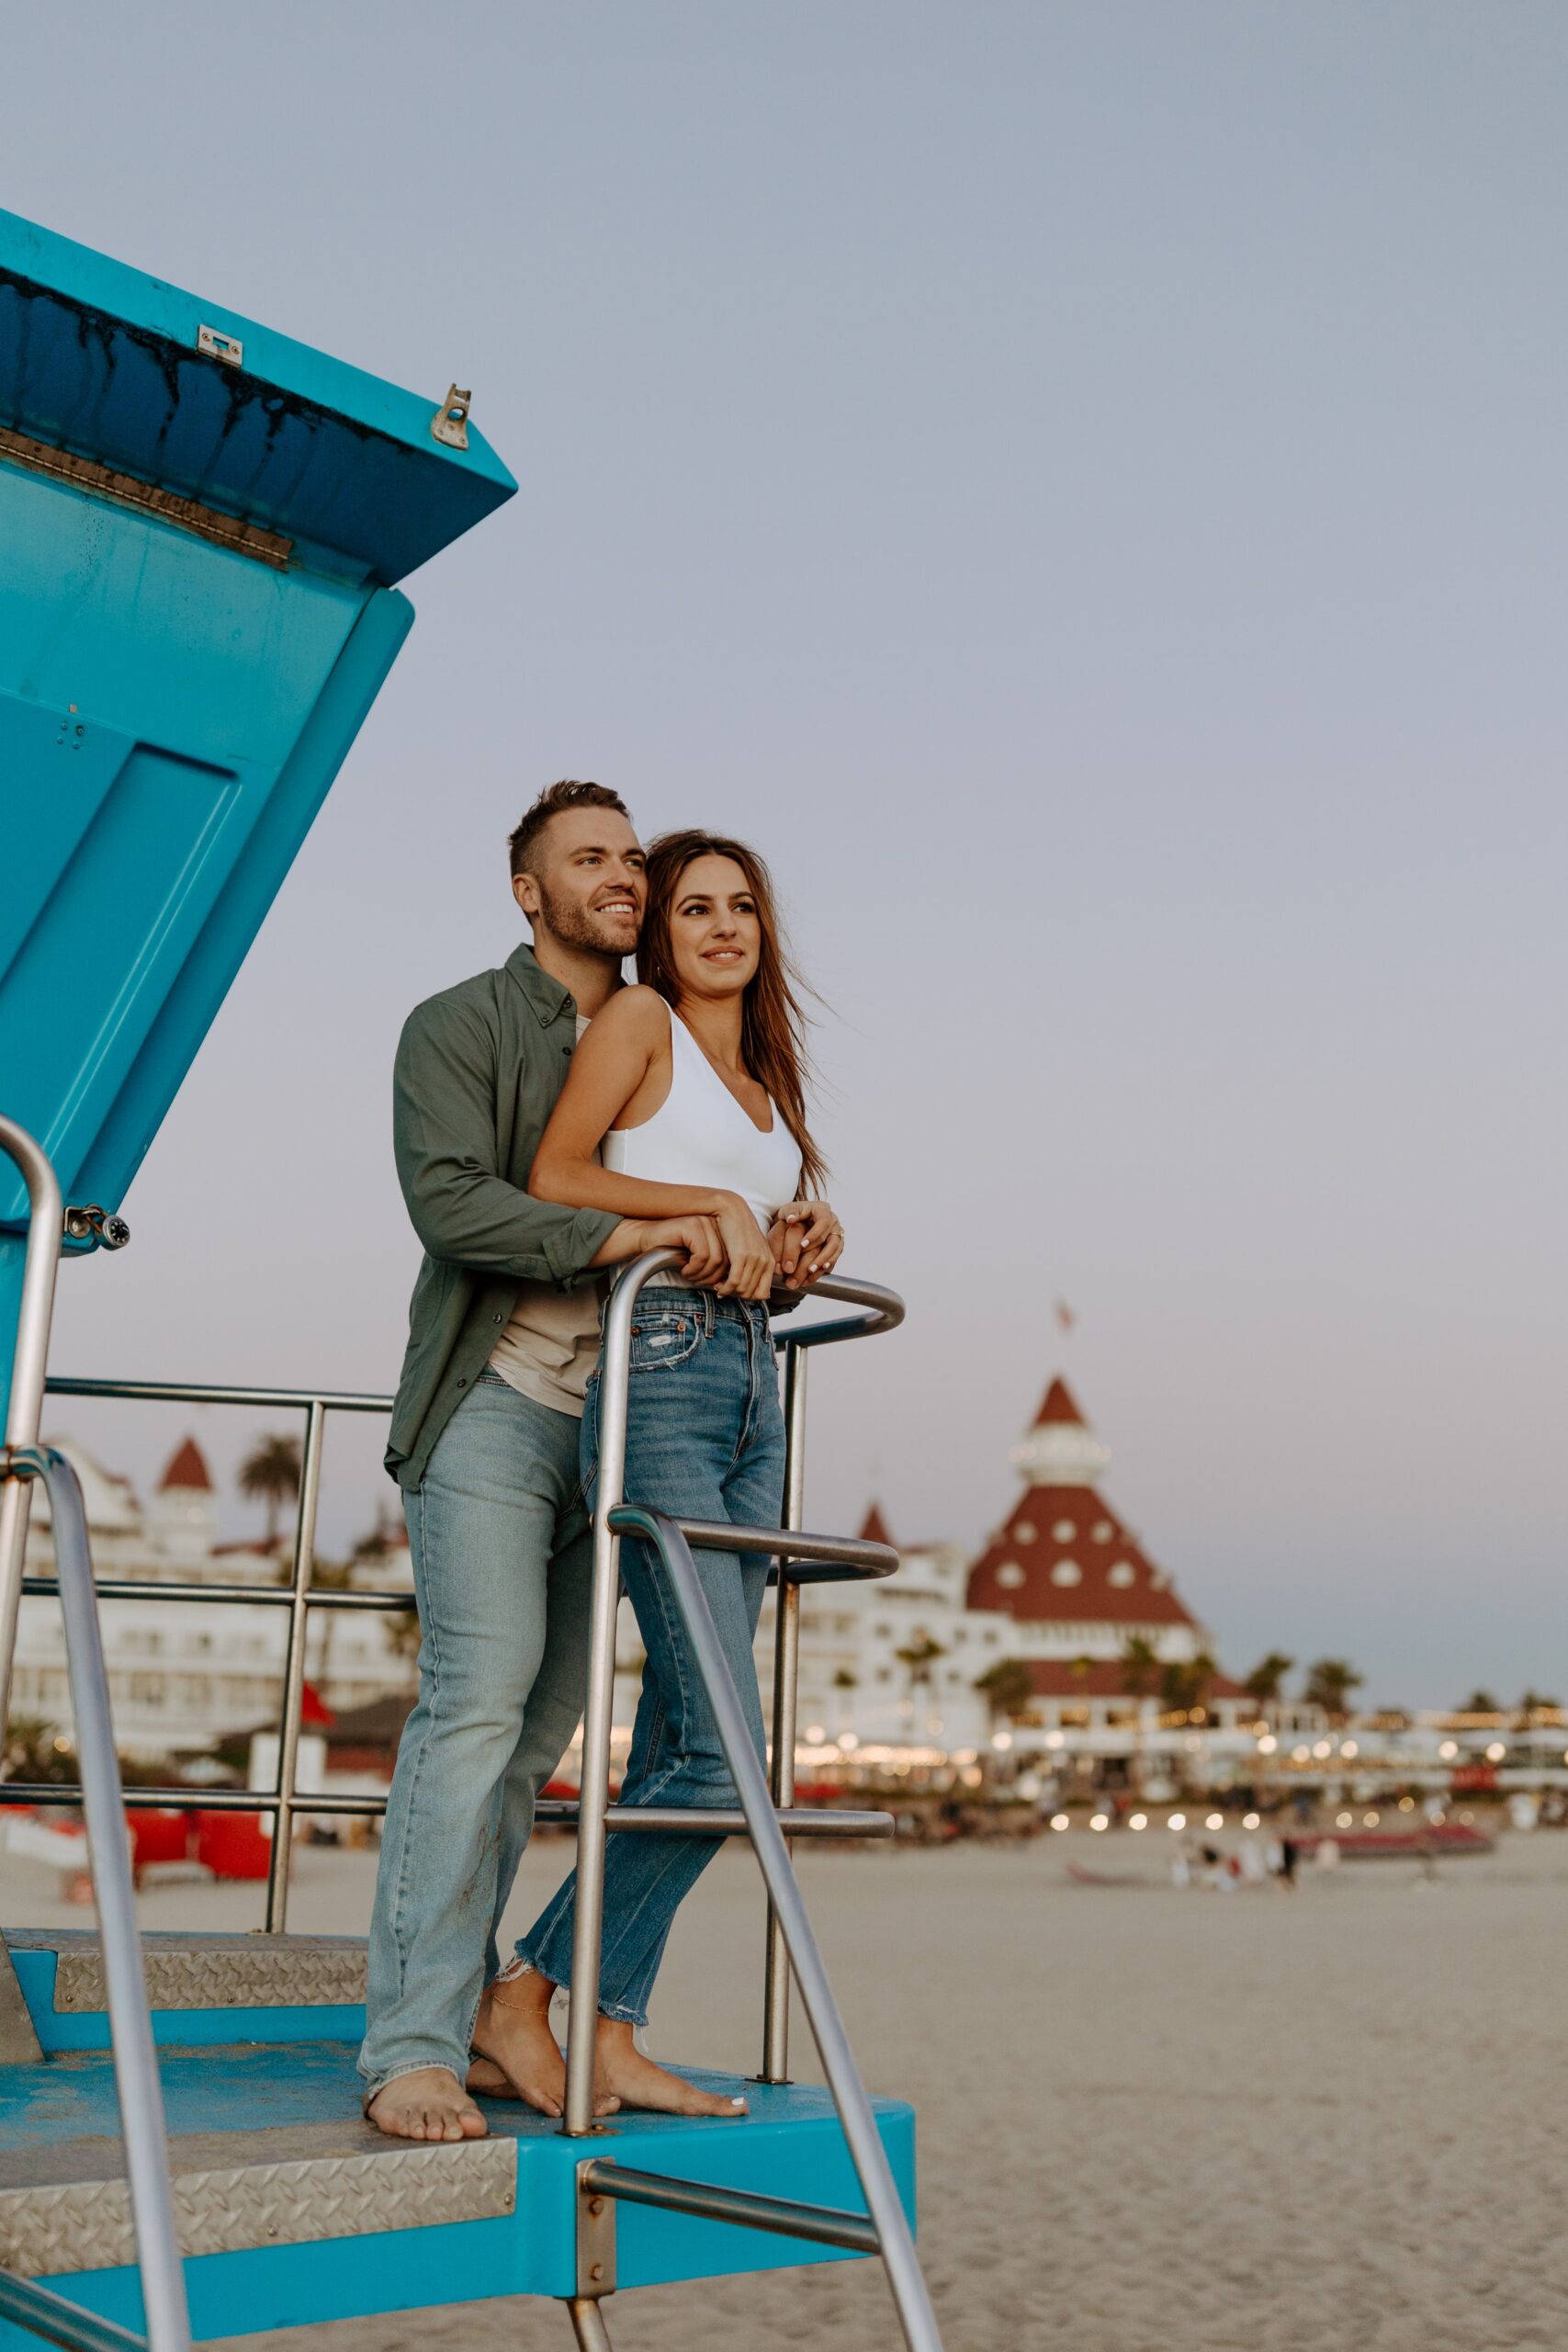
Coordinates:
column 202, row 528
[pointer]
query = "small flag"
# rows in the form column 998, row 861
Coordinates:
column 1065, row 1314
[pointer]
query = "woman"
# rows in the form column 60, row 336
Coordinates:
column 685, row 1096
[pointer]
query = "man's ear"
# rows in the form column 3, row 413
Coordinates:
column 526, row 890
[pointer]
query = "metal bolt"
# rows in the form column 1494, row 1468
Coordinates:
column 596, row 2206
column 596, row 2270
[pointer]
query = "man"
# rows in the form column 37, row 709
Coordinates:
column 504, row 1333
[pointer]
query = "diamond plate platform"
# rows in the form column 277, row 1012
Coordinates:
column 293, row 2212
column 236, row 2191
column 207, row 1972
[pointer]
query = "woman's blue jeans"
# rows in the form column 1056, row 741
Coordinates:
column 704, row 1440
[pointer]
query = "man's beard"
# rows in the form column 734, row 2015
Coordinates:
column 576, row 925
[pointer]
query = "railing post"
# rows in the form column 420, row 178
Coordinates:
column 24, row 1408
column 787, row 1673
column 294, row 1669
column 593, row 1796
column 136, row 2082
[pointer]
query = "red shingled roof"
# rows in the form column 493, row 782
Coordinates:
column 875, row 1528
column 1051, row 1529
column 1056, row 1678
column 187, row 1468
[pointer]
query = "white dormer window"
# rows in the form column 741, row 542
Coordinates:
column 1024, row 1532
column 1065, row 1531
column 1123, row 1573
column 1010, row 1575
column 1066, row 1571
column 1103, row 1530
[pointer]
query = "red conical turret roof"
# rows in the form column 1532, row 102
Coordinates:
column 1058, row 1406
column 187, row 1468
column 874, row 1529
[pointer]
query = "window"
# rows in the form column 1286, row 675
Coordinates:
column 1063, row 1530
column 1066, row 1571
column 1023, row 1532
column 1009, row 1575
column 1123, row 1573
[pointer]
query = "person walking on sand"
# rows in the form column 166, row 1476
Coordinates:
column 503, row 1330
column 687, row 1098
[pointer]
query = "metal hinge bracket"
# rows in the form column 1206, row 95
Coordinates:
column 218, row 346
column 595, row 2239
column 450, row 422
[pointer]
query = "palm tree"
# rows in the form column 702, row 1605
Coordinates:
column 270, row 1474
column 844, row 1680
column 1329, row 1683
column 1008, row 1689
column 1184, row 1684
column 1265, row 1682
column 1535, row 1702
column 1140, row 1674
column 1481, row 1702
column 917, row 1658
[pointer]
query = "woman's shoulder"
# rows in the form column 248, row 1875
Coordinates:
column 635, row 1014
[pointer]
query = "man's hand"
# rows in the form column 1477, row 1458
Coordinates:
column 698, row 1237
column 808, row 1242
column 707, row 1261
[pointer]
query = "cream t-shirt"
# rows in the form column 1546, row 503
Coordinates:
column 551, row 1340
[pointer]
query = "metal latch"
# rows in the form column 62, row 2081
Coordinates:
column 218, row 346
column 96, row 1226
column 450, row 422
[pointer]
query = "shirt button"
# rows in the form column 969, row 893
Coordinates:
column 497, row 1319
column 462, row 1383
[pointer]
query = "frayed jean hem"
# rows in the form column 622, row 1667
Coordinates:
column 619, row 2012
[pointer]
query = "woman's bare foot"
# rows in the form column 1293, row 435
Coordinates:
column 636, row 2081
column 428, row 2104
column 513, row 2031
column 487, row 2080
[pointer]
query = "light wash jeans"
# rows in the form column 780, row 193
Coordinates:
column 502, row 1560
column 704, row 1440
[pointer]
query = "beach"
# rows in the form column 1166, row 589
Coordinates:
column 1152, row 2121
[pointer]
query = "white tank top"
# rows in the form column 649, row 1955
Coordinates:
column 701, row 1135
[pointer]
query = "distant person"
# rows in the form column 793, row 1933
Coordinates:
column 504, row 1333
column 685, row 1100
column 1289, row 1855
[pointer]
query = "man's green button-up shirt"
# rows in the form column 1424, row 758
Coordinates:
column 477, row 1072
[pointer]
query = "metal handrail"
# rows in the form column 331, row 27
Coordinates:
column 790, row 1933
column 895, row 2242
column 884, row 1310
column 138, row 2086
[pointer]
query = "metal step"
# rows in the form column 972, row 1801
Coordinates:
column 66, row 2207
column 191, row 1972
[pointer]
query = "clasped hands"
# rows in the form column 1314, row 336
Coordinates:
column 729, row 1252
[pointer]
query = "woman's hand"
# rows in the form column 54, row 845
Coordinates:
column 751, row 1264
column 806, row 1240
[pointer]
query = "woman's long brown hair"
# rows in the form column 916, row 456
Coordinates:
column 772, row 1025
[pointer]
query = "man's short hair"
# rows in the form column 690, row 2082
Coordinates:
column 524, row 843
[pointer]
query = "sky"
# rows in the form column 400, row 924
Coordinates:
column 1083, row 488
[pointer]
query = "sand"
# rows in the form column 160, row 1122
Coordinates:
column 1150, row 2120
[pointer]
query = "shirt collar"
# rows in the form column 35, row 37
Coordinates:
column 546, row 995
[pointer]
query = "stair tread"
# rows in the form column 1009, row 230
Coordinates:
column 206, row 1972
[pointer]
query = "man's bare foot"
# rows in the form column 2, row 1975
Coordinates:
column 636, row 2081
column 513, row 2031
column 428, row 2104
